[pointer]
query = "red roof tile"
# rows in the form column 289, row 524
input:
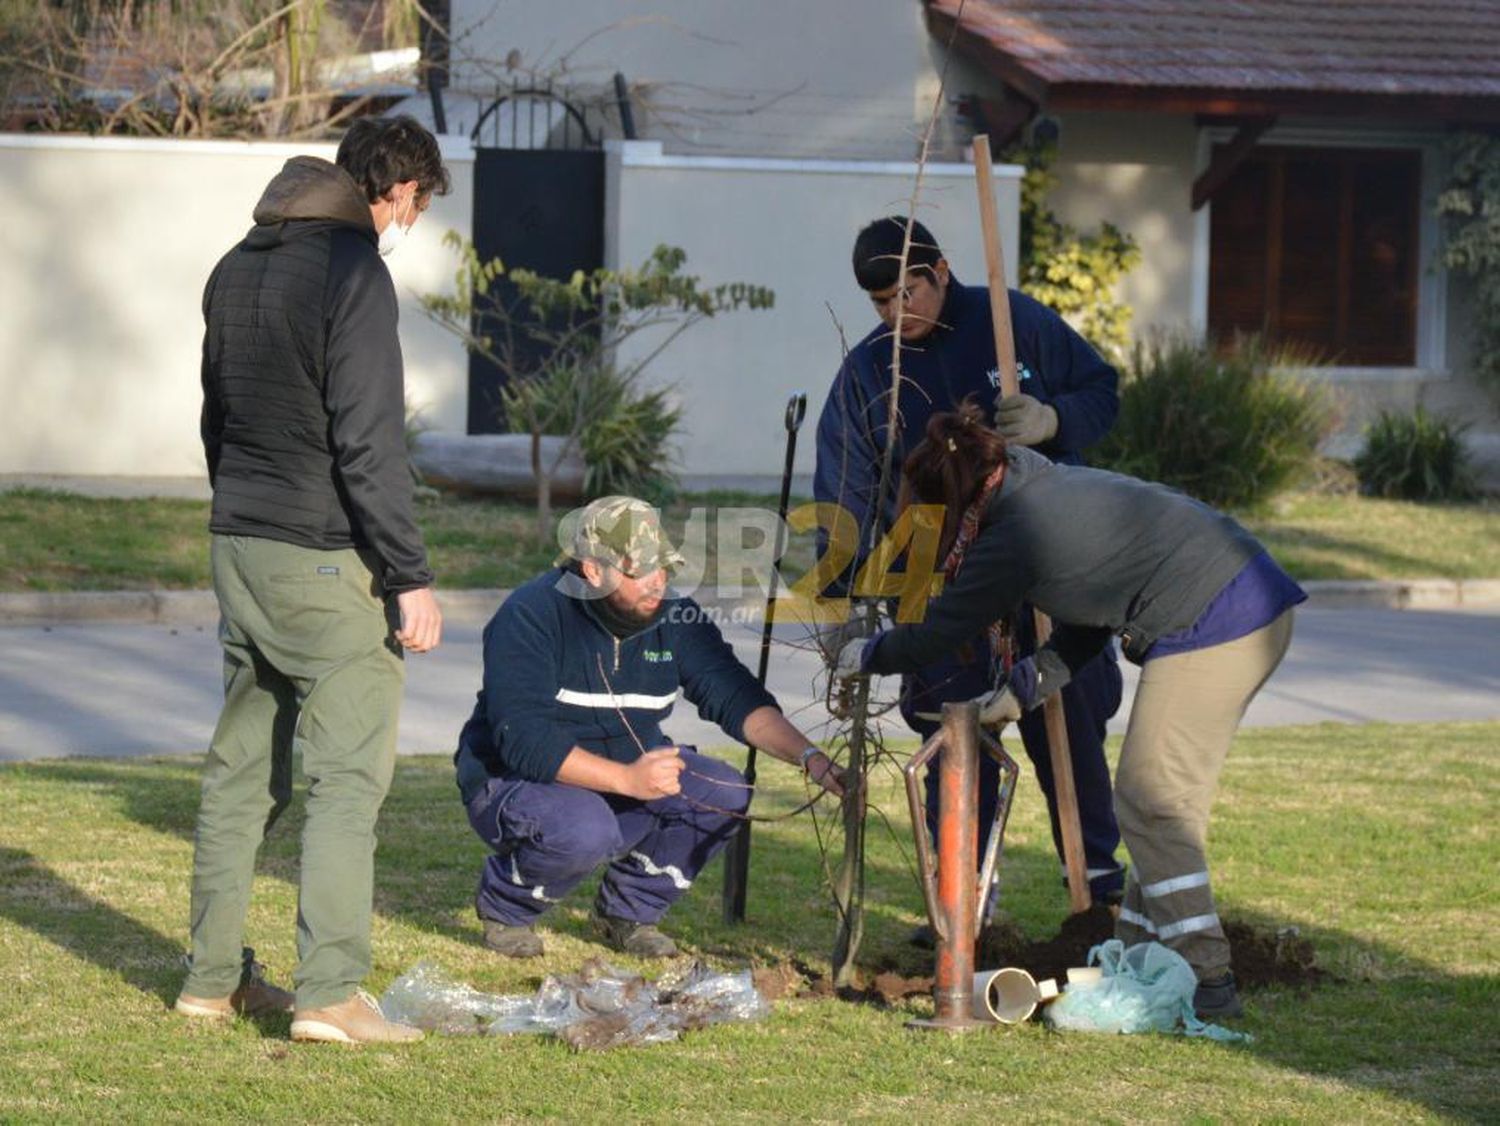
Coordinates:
column 1430, row 48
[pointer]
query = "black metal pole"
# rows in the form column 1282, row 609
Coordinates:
column 737, row 854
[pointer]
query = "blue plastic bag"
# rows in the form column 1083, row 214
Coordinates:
column 1144, row 988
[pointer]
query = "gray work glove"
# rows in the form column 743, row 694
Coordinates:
column 1023, row 420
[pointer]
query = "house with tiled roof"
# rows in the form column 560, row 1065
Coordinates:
column 1277, row 161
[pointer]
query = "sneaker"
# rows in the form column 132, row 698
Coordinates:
column 355, row 1021
column 255, row 997
column 1216, row 998
column 641, row 939
column 512, row 941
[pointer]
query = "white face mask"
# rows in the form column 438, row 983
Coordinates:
column 394, row 233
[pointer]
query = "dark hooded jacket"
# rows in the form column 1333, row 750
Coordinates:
column 303, row 400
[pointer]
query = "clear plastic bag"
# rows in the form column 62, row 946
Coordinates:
column 597, row 1008
column 426, row 998
column 1144, row 988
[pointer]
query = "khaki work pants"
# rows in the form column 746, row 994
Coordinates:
column 1187, row 707
column 310, row 665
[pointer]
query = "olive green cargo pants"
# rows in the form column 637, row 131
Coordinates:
column 311, row 665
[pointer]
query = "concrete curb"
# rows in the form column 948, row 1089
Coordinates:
column 183, row 608
column 198, row 608
column 1402, row 594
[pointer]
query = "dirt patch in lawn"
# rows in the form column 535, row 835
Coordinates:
column 1262, row 957
column 881, row 988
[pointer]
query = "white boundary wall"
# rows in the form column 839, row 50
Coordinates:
column 105, row 244
column 789, row 225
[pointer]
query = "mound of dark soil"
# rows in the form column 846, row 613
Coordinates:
column 1002, row 945
column 1262, row 956
column 1266, row 956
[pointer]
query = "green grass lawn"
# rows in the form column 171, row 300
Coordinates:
column 1317, row 536
column 1378, row 842
column 56, row 541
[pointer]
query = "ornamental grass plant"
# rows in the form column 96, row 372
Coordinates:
column 1416, row 456
column 1230, row 425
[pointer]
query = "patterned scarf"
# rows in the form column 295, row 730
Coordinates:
column 998, row 632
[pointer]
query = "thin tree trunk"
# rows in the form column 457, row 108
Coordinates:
column 543, row 491
column 849, row 883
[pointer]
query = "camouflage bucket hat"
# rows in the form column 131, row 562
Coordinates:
column 623, row 532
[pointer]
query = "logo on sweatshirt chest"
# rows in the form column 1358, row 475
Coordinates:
column 656, row 656
column 1023, row 373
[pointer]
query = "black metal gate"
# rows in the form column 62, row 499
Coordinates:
column 538, row 204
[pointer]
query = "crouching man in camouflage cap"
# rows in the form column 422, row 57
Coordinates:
column 563, row 765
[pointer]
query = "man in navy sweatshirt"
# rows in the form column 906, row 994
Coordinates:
column 1068, row 400
column 564, row 766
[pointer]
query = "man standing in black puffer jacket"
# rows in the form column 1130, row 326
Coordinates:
column 318, row 565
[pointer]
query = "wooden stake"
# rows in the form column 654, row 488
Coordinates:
column 1064, row 790
column 989, row 224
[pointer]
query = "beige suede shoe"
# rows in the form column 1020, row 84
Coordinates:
column 355, row 1021
column 255, row 997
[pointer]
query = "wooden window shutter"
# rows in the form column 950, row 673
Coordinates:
column 1318, row 248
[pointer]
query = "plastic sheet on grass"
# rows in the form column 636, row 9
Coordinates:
column 597, row 1008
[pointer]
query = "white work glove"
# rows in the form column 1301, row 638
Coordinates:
column 1024, row 421
column 851, row 659
column 998, row 707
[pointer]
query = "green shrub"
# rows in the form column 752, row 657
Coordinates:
column 1229, row 426
column 624, row 432
column 1415, row 456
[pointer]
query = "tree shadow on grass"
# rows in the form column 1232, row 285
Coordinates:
column 35, row 897
column 421, row 830
column 1340, row 557
column 1393, row 1023
column 1385, row 1021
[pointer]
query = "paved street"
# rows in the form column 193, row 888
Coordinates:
column 110, row 689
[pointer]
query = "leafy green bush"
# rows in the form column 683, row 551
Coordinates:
column 1230, row 427
column 1415, row 456
column 624, row 432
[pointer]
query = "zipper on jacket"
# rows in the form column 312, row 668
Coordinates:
column 617, row 654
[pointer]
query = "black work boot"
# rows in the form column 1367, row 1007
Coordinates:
column 1216, row 998
column 512, row 941
column 641, row 939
